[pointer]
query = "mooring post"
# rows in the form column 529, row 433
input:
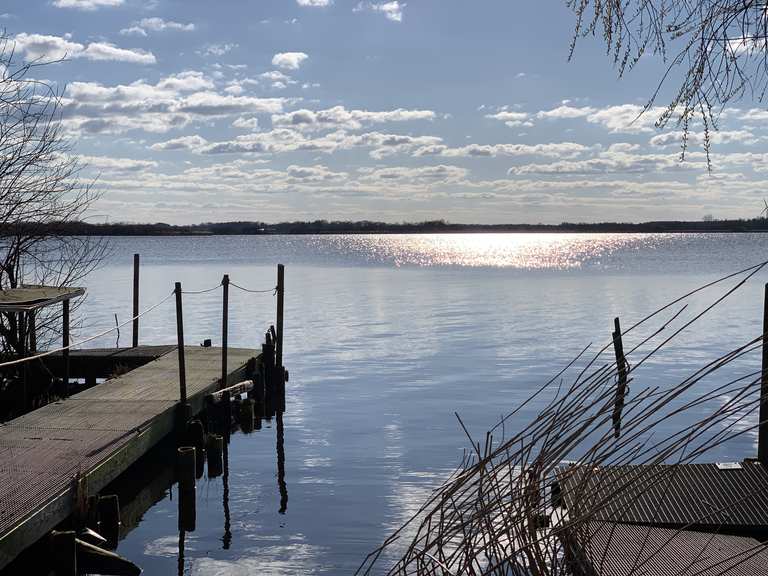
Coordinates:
column 280, row 370
column 280, row 302
column 762, row 435
column 180, row 339
column 135, row 300
column 215, row 454
column 65, row 343
column 224, row 327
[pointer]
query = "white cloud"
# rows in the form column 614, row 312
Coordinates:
column 158, row 25
column 251, row 123
column 181, row 143
column 553, row 150
column 155, row 25
column 565, row 112
column 106, row 51
column 133, row 31
column 117, row 164
column 217, row 49
column 87, row 4
column 44, row 47
column 314, row 3
column 289, row 60
column 511, row 119
column 393, row 10
column 339, row 117
column 172, row 103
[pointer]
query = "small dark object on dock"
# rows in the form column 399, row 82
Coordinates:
column 206, row 343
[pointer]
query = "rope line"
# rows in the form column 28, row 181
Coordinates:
column 201, row 291
column 74, row 344
column 272, row 290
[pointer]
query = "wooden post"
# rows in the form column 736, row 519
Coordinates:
column 280, row 302
column 224, row 326
column 215, row 455
column 186, row 467
column 109, row 519
column 135, row 300
column 762, row 436
column 65, row 343
column 180, row 339
column 246, row 416
column 32, row 332
column 64, row 553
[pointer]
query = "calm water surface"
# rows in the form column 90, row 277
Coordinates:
column 385, row 337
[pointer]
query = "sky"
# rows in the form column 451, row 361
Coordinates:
column 271, row 110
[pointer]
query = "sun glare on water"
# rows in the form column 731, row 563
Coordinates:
column 523, row 251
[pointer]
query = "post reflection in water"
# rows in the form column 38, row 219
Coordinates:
column 181, row 553
column 281, row 464
column 227, row 538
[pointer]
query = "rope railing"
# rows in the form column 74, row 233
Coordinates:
column 128, row 321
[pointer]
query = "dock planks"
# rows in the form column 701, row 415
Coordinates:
column 92, row 437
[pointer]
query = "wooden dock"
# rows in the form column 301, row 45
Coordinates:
column 63, row 452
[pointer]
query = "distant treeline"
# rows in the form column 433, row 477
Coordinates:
column 370, row 227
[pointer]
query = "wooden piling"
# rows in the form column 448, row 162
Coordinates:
column 32, row 332
column 65, row 343
column 64, row 548
column 109, row 519
column 180, row 340
column 762, row 436
column 268, row 368
column 280, row 303
column 246, row 415
column 135, row 300
column 185, row 459
column 196, row 436
column 226, row 414
column 224, row 328
column 215, row 455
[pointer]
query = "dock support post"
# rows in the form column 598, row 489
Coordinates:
column 109, row 519
column 187, row 471
column 762, row 437
column 180, row 340
column 32, row 332
column 65, row 343
column 246, row 415
column 224, row 329
column 215, row 455
column 135, row 300
column 64, row 549
column 280, row 370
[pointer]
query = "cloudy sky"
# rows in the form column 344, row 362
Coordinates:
column 192, row 110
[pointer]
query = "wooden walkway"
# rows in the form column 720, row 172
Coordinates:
column 92, row 437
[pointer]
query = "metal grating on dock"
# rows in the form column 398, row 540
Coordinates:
column 625, row 549
column 96, row 434
column 687, row 495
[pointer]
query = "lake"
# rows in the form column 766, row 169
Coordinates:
column 386, row 336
